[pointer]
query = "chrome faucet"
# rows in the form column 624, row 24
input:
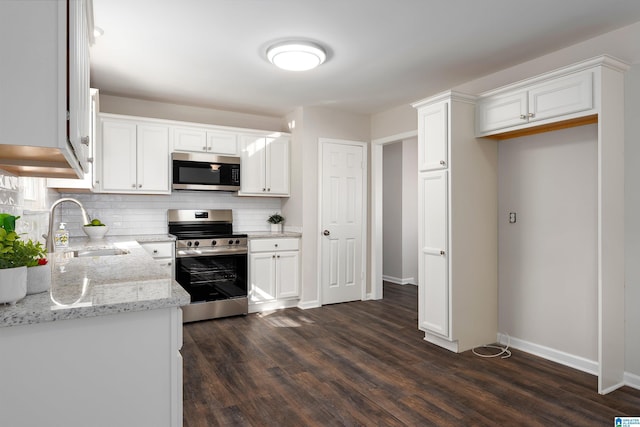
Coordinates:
column 85, row 218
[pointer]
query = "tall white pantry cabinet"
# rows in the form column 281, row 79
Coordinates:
column 457, row 225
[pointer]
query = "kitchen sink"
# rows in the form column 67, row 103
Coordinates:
column 99, row 252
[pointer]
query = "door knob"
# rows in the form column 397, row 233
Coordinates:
column 326, row 232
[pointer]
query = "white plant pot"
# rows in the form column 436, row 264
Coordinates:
column 38, row 279
column 13, row 284
column 276, row 228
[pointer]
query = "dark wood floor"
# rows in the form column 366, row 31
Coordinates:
column 365, row 364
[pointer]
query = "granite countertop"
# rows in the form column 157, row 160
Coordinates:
column 99, row 285
column 271, row 234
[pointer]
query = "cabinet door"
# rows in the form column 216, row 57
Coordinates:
column 224, row 143
column 153, row 158
column 79, row 96
column 562, row 96
column 253, row 163
column 262, row 285
column 189, row 139
column 287, row 274
column 501, row 112
column 277, row 169
column 433, row 305
column 433, row 145
column 118, row 161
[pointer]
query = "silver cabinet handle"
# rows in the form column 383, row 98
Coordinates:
column 84, row 140
column 442, row 253
column 273, row 256
column 264, row 189
column 155, row 251
column 139, row 185
column 523, row 117
column 133, row 186
column 204, row 148
column 276, row 245
column 442, row 162
column 326, row 232
column 531, row 115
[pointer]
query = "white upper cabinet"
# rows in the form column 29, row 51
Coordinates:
column 202, row 140
column 264, row 169
column 432, row 126
column 134, row 157
column 45, row 108
column 556, row 99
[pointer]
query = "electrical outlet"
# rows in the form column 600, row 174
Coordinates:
column 512, row 217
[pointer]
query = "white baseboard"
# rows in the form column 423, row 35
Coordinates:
column 571, row 360
column 632, row 380
column 305, row 305
column 272, row 305
column 399, row 281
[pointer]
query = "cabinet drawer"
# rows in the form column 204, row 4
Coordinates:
column 159, row 250
column 270, row 245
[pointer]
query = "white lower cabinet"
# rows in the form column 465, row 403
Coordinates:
column 112, row 370
column 163, row 254
column 274, row 271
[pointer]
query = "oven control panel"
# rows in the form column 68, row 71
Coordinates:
column 217, row 242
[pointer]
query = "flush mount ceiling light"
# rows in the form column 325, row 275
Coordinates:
column 296, row 55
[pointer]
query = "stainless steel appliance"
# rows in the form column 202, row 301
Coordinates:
column 201, row 171
column 211, row 263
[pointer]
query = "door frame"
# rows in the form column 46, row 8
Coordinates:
column 376, row 207
column 365, row 187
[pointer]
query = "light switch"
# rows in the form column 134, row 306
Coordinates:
column 512, row 217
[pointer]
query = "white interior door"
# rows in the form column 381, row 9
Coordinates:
column 342, row 218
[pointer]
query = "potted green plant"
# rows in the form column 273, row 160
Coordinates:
column 276, row 220
column 13, row 262
column 38, row 268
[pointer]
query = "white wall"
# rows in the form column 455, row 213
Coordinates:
column 632, row 216
column 318, row 122
column 548, row 258
column 410, row 210
column 392, row 213
column 168, row 111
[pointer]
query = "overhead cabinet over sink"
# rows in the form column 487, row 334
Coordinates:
column 45, row 75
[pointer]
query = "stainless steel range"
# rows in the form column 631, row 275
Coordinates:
column 211, row 263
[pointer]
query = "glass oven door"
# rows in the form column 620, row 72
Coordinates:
column 213, row 278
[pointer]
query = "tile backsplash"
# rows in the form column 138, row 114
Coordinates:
column 27, row 198
column 130, row 214
column 125, row 214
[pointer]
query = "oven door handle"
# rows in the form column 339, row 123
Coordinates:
column 200, row 252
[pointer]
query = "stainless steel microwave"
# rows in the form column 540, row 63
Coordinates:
column 195, row 171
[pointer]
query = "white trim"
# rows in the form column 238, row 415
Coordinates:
column 441, row 342
column 376, row 207
column 632, row 380
column 364, row 235
column 399, row 281
column 272, row 305
column 305, row 305
column 577, row 362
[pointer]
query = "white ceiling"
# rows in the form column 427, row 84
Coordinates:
column 381, row 53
